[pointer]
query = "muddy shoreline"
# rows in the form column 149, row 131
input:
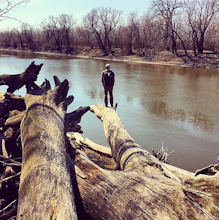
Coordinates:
column 207, row 60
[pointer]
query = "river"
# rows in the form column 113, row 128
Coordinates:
column 176, row 106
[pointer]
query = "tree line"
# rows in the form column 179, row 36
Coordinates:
column 168, row 25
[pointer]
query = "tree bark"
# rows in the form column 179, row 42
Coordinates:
column 45, row 190
column 143, row 188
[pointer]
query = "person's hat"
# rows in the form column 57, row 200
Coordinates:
column 107, row 66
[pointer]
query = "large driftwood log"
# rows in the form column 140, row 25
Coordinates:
column 143, row 188
column 10, row 135
column 45, row 190
column 14, row 82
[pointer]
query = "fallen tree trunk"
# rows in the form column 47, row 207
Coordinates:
column 143, row 188
column 45, row 190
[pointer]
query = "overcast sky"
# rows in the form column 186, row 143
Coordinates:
column 37, row 10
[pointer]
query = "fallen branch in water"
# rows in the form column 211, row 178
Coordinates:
column 162, row 154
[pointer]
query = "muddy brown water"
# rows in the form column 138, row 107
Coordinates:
column 178, row 107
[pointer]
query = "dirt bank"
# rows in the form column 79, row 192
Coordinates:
column 207, row 60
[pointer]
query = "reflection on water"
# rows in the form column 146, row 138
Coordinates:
column 177, row 106
column 197, row 119
column 94, row 93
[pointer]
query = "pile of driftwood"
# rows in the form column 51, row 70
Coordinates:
column 47, row 172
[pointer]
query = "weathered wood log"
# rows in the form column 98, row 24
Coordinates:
column 45, row 190
column 143, row 188
column 8, row 187
column 10, row 102
column 14, row 102
column 100, row 155
column 15, row 120
column 14, row 82
column 209, row 170
column 2, row 103
column 98, row 148
column 8, row 169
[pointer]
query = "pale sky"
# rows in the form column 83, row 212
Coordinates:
column 37, row 10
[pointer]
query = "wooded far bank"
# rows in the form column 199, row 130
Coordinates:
column 167, row 26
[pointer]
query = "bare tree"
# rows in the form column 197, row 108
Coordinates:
column 109, row 20
column 84, row 37
column 6, row 38
column 212, row 35
column 20, row 37
column 91, row 22
column 28, row 33
column 52, row 31
column 168, row 9
column 133, row 33
column 152, row 32
column 119, row 36
column 67, row 24
column 102, row 22
column 58, row 29
column 9, row 5
column 200, row 14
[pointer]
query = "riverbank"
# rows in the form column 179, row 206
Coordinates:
column 207, row 60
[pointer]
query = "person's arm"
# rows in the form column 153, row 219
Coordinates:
column 102, row 78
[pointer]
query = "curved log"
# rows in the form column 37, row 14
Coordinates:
column 144, row 188
column 45, row 190
column 15, row 120
column 98, row 148
column 72, row 119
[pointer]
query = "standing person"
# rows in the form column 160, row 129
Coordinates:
column 108, row 80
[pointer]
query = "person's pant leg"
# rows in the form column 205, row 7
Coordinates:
column 111, row 95
column 106, row 98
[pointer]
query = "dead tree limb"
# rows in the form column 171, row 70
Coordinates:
column 144, row 188
column 8, row 169
column 15, row 120
column 14, row 82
